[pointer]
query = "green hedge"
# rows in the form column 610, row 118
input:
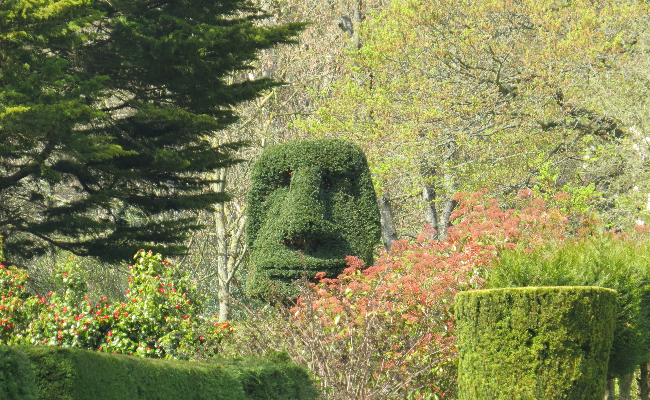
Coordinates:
column 534, row 343
column 71, row 374
column 16, row 376
column 605, row 261
column 311, row 204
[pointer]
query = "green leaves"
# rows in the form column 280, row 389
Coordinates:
column 110, row 110
column 610, row 261
column 484, row 94
column 160, row 318
column 311, row 204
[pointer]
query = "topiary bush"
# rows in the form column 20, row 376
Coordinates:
column 534, row 343
column 619, row 262
column 310, row 205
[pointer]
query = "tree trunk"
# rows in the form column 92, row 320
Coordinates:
column 357, row 22
column 644, row 381
column 223, row 293
column 223, row 290
column 450, row 187
column 450, row 205
column 430, row 213
column 624, row 386
column 446, row 214
column 388, row 234
column 229, row 251
column 610, row 390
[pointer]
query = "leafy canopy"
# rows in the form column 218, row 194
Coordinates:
column 470, row 94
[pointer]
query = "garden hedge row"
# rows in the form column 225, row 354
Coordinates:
column 16, row 376
column 534, row 343
column 72, row 374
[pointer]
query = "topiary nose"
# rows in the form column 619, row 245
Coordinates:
column 303, row 219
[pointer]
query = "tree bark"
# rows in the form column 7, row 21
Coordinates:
column 450, row 187
column 610, row 390
column 223, row 290
column 357, row 22
column 229, row 254
column 430, row 213
column 624, row 386
column 450, row 205
column 388, row 233
column 644, row 381
column 446, row 214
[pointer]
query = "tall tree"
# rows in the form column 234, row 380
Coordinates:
column 107, row 111
column 452, row 96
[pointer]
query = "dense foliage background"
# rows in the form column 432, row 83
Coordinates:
column 122, row 124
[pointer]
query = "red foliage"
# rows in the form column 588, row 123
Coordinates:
column 395, row 318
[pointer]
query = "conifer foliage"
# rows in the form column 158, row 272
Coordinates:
column 107, row 117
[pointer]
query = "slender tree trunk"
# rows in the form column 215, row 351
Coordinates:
column 450, row 186
column 644, row 381
column 428, row 174
column 430, row 213
column 223, row 294
column 624, row 386
column 230, row 252
column 450, row 205
column 388, row 233
column 357, row 23
column 610, row 390
column 223, row 290
column 235, row 256
column 446, row 214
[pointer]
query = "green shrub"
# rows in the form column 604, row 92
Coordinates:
column 73, row 374
column 310, row 205
column 606, row 261
column 161, row 318
column 16, row 376
column 534, row 343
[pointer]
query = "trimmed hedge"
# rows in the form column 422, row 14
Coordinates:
column 16, row 375
column 534, row 343
column 310, row 205
column 606, row 261
column 71, row 374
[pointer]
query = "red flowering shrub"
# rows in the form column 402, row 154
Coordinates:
column 161, row 319
column 532, row 222
column 14, row 315
column 387, row 331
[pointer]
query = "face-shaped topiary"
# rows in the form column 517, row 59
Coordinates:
column 311, row 204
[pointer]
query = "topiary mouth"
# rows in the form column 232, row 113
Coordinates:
column 304, row 244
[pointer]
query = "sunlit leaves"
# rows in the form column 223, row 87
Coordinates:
column 160, row 318
column 483, row 92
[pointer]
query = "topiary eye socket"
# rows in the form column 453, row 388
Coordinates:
column 284, row 178
column 327, row 183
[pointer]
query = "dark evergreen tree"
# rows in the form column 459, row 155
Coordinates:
column 108, row 118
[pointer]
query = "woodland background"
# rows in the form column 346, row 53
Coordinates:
column 449, row 97
column 444, row 97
